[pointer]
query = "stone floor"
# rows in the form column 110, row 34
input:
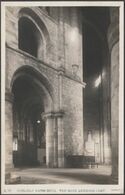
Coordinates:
column 39, row 175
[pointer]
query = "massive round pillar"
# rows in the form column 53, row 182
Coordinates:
column 113, row 39
column 60, row 140
column 54, row 139
column 49, row 140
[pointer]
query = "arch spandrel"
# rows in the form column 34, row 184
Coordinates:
column 27, row 61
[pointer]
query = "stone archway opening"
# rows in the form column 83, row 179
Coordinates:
column 31, row 99
column 30, row 38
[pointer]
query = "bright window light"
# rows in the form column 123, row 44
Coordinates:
column 15, row 144
column 98, row 81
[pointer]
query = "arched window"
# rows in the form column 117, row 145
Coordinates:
column 29, row 36
column 33, row 34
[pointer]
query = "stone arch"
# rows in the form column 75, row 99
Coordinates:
column 33, row 95
column 32, row 72
column 41, row 29
column 30, row 39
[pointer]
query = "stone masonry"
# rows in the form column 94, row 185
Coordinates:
column 55, row 64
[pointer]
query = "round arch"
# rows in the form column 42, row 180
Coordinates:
column 42, row 31
column 38, row 78
column 32, row 97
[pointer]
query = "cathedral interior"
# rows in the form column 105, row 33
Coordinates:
column 62, row 85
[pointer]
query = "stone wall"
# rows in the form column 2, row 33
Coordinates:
column 73, row 119
column 16, row 60
column 50, row 27
column 60, row 51
column 106, row 104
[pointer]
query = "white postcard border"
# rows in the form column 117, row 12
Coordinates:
column 61, row 188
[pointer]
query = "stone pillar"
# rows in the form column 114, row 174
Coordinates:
column 113, row 40
column 49, row 140
column 55, row 143
column 61, row 39
column 60, row 87
column 8, row 131
column 54, row 139
column 59, row 116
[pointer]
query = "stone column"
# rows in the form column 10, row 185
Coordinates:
column 61, row 39
column 113, row 40
column 8, row 131
column 55, row 142
column 49, row 140
column 59, row 116
column 60, row 87
column 54, row 139
column 100, row 89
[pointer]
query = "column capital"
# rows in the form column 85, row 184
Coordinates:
column 59, row 113
column 52, row 114
column 9, row 96
column 61, row 70
column 47, row 115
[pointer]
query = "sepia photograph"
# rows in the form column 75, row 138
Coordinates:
column 62, row 97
